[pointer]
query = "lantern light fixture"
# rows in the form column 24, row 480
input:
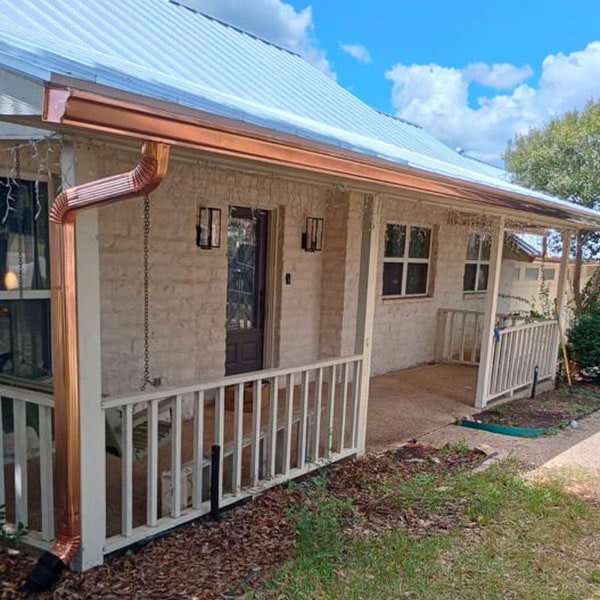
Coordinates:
column 312, row 238
column 208, row 227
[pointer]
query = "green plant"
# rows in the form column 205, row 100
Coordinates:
column 584, row 338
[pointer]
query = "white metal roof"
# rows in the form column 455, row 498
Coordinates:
column 165, row 51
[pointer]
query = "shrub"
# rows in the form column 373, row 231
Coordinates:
column 584, row 338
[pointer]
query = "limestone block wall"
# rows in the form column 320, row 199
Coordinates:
column 405, row 328
column 188, row 284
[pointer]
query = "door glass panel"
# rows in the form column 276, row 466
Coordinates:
column 241, row 279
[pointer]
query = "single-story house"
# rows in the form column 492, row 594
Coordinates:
column 213, row 245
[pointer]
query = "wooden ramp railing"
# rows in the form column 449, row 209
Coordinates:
column 517, row 351
column 26, row 450
column 271, row 426
column 459, row 336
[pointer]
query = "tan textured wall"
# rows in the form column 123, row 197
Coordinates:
column 405, row 328
column 188, row 285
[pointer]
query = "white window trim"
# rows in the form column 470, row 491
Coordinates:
column 547, row 270
column 478, row 262
column 405, row 260
column 531, row 269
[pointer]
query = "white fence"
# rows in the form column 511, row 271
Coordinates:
column 26, row 456
column 271, row 426
column 459, row 336
column 517, row 351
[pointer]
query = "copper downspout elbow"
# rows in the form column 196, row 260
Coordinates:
column 144, row 178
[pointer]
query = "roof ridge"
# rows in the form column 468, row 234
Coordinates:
column 396, row 118
column 184, row 4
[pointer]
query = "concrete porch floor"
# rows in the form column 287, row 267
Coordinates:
column 409, row 404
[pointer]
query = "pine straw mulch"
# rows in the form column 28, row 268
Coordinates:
column 552, row 409
column 207, row 561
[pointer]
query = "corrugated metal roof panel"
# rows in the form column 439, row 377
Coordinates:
column 166, row 51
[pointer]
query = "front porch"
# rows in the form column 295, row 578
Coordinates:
column 310, row 423
column 413, row 402
column 145, row 458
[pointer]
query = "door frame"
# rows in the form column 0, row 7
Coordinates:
column 273, row 288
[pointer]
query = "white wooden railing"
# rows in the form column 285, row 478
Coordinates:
column 26, row 439
column 300, row 418
column 517, row 351
column 459, row 334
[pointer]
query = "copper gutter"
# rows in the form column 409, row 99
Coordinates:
column 144, row 178
column 92, row 111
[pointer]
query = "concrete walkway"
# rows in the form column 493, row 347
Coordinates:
column 408, row 404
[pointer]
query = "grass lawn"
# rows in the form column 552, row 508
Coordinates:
column 478, row 536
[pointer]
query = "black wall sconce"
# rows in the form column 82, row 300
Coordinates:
column 208, row 227
column 312, row 238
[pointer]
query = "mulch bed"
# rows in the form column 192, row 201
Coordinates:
column 207, row 561
column 553, row 409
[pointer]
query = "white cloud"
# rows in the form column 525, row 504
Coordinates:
column 273, row 20
column 437, row 98
column 501, row 76
column 357, row 51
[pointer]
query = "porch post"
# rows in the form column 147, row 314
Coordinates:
column 371, row 225
column 489, row 318
column 561, row 284
column 93, row 442
column 561, row 289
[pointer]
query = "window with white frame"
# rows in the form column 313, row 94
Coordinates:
column 532, row 274
column 406, row 260
column 477, row 263
column 25, row 352
column 549, row 274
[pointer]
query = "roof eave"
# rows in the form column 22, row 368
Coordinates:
column 98, row 112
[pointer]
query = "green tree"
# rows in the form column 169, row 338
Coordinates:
column 562, row 158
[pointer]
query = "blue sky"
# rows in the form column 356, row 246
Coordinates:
column 472, row 73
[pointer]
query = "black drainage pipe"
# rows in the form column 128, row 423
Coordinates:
column 534, row 384
column 45, row 574
column 215, row 479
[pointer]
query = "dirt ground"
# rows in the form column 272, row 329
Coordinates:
column 554, row 408
column 253, row 538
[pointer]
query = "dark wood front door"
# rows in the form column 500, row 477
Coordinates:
column 246, row 266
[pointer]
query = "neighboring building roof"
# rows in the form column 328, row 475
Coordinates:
column 164, row 51
column 524, row 246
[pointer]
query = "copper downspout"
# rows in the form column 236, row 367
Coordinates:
column 145, row 177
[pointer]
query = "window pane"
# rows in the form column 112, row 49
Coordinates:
column 392, row 279
column 531, row 274
column 420, row 238
column 473, row 247
column 25, row 339
column 517, row 273
column 395, row 240
column 549, row 274
column 486, row 247
column 482, row 279
column 416, row 278
column 24, row 251
column 469, row 278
